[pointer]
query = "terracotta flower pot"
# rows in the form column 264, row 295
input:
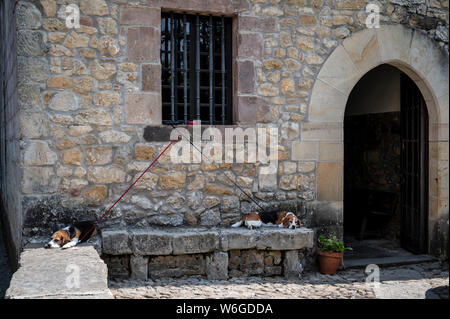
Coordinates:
column 329, row 262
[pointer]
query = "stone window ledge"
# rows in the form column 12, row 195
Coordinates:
column 161, row 133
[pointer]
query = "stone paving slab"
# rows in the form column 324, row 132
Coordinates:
column 202, row 240
column 76, row 273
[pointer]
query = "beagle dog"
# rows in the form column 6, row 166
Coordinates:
column 282, row 219
column 70, row 236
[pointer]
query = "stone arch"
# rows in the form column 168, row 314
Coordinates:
column 412, row 52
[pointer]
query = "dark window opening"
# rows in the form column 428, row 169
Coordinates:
column 196, row 59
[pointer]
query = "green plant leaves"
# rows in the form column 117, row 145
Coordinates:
column 331, row 245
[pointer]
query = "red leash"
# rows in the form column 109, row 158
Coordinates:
column 134, row 183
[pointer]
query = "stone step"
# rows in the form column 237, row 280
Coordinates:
column 388, row 261
column 180, row 241
column 76, row 273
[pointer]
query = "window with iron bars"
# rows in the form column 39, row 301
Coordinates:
column 196, row 59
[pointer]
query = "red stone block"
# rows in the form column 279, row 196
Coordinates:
column 250, row 46
column 253, row 109
column 143, row 109
column 247, row 23
column 143, row 44
column 246, row 77
column 150, row 17
column 151, row 77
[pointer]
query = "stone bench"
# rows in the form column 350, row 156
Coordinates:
column 215, row 244
column 76, row 273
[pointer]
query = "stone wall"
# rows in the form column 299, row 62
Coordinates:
column 10, row 199
column 88, row 95
column 241, row 263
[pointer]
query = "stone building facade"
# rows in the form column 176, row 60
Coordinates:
column 86, row 97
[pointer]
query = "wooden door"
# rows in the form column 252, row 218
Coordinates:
column 414, row 168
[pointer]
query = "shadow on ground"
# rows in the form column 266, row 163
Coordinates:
column 5, row 273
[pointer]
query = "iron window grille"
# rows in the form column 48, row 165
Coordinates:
column 196, row 59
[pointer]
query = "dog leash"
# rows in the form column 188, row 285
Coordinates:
column 134, row 183
column 234, row 183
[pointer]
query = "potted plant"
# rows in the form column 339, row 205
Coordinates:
column 330, row 254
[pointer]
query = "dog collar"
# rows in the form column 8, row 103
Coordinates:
column 67, row 230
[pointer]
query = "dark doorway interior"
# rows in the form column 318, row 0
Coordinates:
column 384, row 168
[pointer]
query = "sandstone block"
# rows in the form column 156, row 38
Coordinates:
column 98, row 117
column 105, row 175
column 71, row 157
column 38, row 153
column 60, row 82
column 75, row 40
column 95, row 195
column 330, row 180
column 174, row 180
column 99, row 155
column 267, row 181
column 108, row 46
column 114, row 137
column 216, row 189
column 64, row 101
column 102, row 72
column 272, row 64
column 79, row 130
column 73, row 67
column 38, row 180
column 144, row 152
column 34, row 125
column 307, row 20
column 82, row 85
column 94, row 7
column 107, row 98
column 107, row 26
column 305, row 151
column 147, row 182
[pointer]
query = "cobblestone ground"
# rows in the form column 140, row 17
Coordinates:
column 428, row 280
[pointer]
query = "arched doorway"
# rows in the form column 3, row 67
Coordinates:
column 416, row 55
column 386, row 162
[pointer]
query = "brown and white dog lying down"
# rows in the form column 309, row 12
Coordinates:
column 282, row 219
column 70, row 236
